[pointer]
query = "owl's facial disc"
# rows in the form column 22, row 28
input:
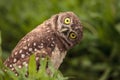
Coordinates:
column 70, row 29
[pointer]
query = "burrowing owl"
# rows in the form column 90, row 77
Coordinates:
column 52, row 38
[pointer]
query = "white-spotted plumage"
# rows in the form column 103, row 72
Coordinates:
column 20, row 51
column 19, row 66
column 22, row 55
column 52, row 38
column 14, row 60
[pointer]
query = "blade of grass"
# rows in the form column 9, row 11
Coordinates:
column 32, row 66
column 0, row 45
column 0, row 49
column 105, row 74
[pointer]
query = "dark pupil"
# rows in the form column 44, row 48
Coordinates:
column 67, row 20
column 73, row 35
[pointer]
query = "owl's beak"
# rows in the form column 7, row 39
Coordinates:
column 64, row 29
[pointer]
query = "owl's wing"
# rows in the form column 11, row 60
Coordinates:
column 40, row 39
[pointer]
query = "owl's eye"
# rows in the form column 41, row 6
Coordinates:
column 72, row 35
column 67, row 21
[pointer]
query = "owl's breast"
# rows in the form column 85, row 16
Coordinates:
column 57, row 57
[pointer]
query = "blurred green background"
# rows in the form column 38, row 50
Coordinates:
column 97, row 57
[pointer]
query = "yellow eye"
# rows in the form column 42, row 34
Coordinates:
column 72, row 35
column 67, row 21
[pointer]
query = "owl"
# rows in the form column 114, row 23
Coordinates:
column 53, row 38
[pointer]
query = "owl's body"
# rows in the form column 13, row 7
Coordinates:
column 52, row 38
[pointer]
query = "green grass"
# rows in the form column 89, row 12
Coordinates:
column 33, row 73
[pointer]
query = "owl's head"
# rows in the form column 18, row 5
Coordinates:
column 69, row 29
